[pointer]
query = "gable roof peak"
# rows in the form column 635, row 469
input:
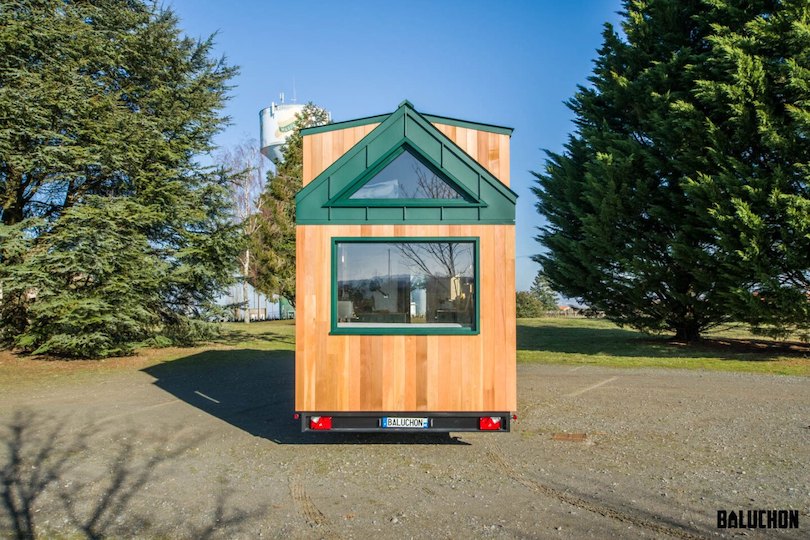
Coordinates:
column 328, row 197
column 406, row 107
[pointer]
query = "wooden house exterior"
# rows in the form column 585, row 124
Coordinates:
column 405, row 291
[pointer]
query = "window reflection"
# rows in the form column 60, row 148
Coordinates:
column 406, row 178
column 406, row 284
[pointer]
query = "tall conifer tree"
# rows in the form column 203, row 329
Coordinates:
column 756, row 185
column 111, row 233
column 274, row 239
column 644, row 205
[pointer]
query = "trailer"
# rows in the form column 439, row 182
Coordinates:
column 405, row 283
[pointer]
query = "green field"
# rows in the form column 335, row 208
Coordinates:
column 560, row 340
column 554, row 340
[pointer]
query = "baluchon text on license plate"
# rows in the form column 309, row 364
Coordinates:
column 396, row 422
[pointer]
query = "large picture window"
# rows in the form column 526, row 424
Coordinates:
column 405, row 285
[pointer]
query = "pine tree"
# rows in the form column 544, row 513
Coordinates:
column 643, row 206
column 274, row 240
column 541, row 289
column 95, row 289
column 620, row 233
column 756, row 106
column 112, row 232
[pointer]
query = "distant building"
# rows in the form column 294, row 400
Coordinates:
column 568, row 310
column 259, row 306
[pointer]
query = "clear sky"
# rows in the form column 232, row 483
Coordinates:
column 510, row 63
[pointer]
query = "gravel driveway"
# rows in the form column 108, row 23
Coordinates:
column 205, row 447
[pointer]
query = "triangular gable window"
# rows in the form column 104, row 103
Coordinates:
column 406, row 177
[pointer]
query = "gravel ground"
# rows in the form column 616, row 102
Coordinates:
column 200, row 448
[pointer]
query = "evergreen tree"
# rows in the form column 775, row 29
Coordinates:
column 541, row 289
column 274, row 240
column 111, row 231
column 641, row 204
column 756, row 109
column 94, row 288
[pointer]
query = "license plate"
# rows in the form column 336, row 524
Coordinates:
column 397, row 422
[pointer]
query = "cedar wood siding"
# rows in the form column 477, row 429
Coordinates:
column 436, row 373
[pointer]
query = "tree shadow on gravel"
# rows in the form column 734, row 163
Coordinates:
column 629, row 343
column 59, row 483
column 254, row 391
column 654, row 516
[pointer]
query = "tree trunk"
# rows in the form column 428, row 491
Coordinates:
column 245, row 269
column 14, row 212
column 13, row 207
column 687, row 331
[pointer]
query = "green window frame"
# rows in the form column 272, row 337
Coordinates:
column 401, row 330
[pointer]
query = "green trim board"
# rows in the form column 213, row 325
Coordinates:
column 346, row 124
column 433, row 118
column 326, row 199
column 396, row 331
column 384, row 220
column 490, row 128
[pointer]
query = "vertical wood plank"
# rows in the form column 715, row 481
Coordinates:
column 472, row 144
column 510, row 340
column 504, row 159
column 421, row 378
column 306, row 158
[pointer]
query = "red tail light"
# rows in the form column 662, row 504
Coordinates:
column 320, row 422
column 490, row 423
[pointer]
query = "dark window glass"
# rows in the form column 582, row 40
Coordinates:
column 406, row 178
column 406, row 284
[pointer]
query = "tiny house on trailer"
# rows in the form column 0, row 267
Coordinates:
column 405, row 284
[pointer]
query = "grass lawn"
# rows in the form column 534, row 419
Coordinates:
column 560, row 340
column 242, row 339
column 554, row 340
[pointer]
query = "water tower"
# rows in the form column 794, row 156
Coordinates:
column 277, row 123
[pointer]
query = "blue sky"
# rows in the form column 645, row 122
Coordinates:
column 506, row 63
